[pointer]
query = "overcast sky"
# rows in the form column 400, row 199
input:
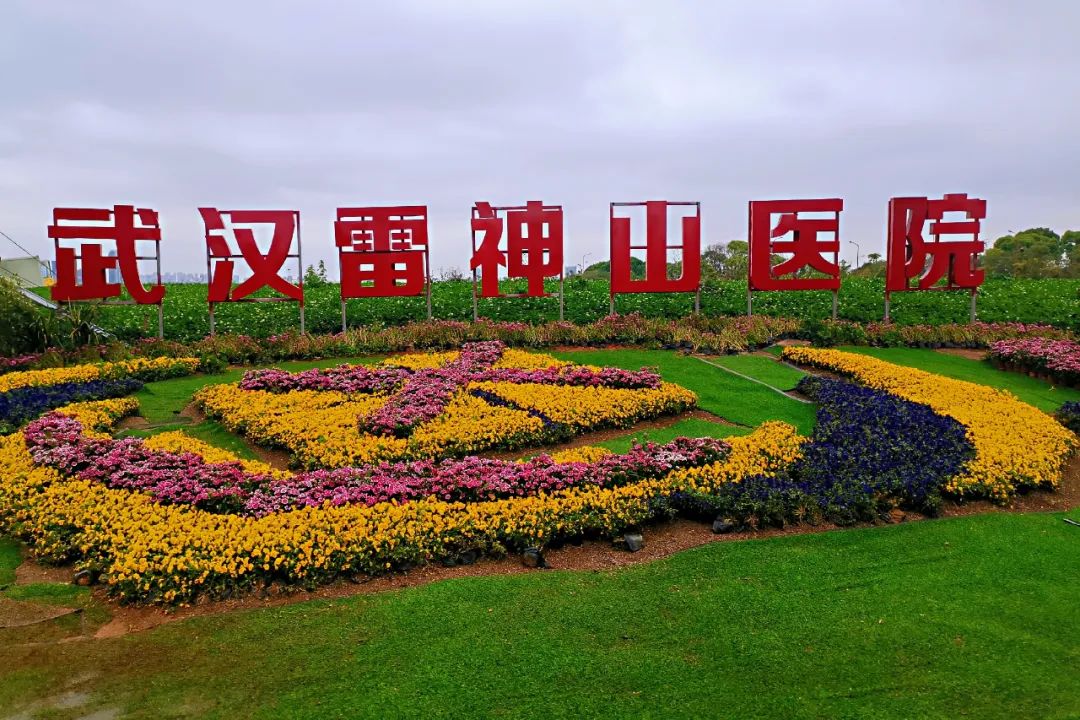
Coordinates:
column 311, row 105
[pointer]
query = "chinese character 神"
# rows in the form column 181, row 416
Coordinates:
column 117, row 225
column 909, row 251
column 383, row 251
column 534, row 245
column 656, row 251
column 264, row 266
column 806, row 249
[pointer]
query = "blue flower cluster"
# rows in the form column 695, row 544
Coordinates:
column 24, row 404
column 869, row 452
column 1069, row 415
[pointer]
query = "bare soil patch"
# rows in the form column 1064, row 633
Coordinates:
column 31, row 572
column 968, row 353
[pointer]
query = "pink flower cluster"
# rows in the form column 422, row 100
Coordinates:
column 474, row 479
column 574, row 375
column 345, row 378
column 176, row 478
column 1059, row 358
column 19, row 362
column 185, row 478
column 426, row 393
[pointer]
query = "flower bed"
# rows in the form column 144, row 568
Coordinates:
column 150, row 551
column 171, row 518
column 699, row 333
column 26, row 403
column 1016, row 445
column 145, row 369
column 1057, row 359
column 455, row 404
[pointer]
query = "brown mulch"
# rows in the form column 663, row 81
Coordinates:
column 968, row 353
column 31, row 572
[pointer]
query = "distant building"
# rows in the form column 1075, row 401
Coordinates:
column 571, row 270
column 25, row 271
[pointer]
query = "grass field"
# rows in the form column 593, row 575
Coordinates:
column 733, row 398
column 969, row 617
column 965, row 617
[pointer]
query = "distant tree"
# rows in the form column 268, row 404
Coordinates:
column 450, row 273
column 725, row 262
column 316, row 277
column 874, row 267
column 602, row 270
column 1031, row 253
column 1070, row 241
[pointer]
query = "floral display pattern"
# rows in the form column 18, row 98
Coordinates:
column 175, row 519
column 1016, row 445
column 466, row 402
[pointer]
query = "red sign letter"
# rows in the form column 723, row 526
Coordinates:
column 656, row 249
column 264, row 267
column 534, row 245
column 805, row 249
column 908, row 251
column 117, row 225
column 383, row 251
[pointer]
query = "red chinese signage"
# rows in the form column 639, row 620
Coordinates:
column 916, row 263
column 533, row 248
column 656, row 246
column 383, row 251
column 83, row 271
column 804, row 244
column 230, row 236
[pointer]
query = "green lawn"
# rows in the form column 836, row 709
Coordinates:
column 693, row 427
column 768, row 371
column 733, row 398
column 968, row 617
column 1031, row 390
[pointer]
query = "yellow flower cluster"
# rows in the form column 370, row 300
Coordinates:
column 170, row 553
column 318, row 428
column 470, row 425
column 420, row 361
column 177, row 441
column 86, row 373
column 527, row 360
column 98, row 416
column 585, row 454
column 590, row 407
column 1016, row 445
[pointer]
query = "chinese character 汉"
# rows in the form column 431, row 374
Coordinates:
column 382, row 250
column 124, row 225
column 808, row 251
column 954, row 260
column 656, row 252
column 264, row 266
column 534, row 245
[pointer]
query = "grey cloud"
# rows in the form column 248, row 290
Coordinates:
column 316, row 104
